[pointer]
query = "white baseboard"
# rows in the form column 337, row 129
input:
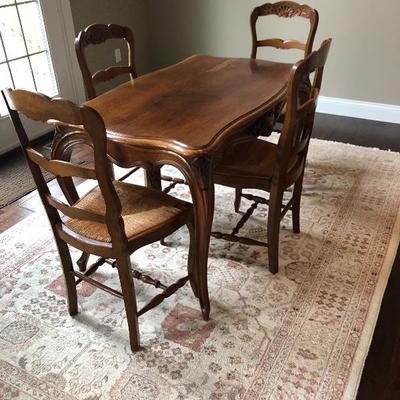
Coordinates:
column 359, row 109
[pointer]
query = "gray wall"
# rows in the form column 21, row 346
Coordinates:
column 129, row 13
column 363, row 63
column 364, row 59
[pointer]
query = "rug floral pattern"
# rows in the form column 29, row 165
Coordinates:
column 294, row 335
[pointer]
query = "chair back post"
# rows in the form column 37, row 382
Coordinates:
column 97, row 34
column 299, row 116
column 285, row 9
column 13, row 106
column 94, row 125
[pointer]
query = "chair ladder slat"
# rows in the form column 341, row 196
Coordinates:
column 281, row 44
column 75, row 212
column 61, row 168
column 306, row 108
column 110, row 73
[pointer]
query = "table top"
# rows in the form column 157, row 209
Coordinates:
column 192, row 106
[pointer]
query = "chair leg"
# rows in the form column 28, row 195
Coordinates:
column 238, row 199
column 192, row 260
column 274, row 219
column 128, row 291
column 153, row 177
column 298, row 186
column 68, row 267
column 82, row 262
column 153, row 180
column 111, row 168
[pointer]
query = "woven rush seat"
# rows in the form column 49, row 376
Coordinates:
column 143, row 209
column 253, row 158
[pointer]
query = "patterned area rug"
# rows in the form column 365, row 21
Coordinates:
column 301, row 334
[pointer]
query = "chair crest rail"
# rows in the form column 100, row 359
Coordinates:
column 286, row 9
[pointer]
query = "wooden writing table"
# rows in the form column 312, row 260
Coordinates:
column 184, row 116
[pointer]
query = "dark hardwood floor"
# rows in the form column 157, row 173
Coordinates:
column 360, row 132
column 381, row 376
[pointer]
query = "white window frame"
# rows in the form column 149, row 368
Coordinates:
column 58, row 21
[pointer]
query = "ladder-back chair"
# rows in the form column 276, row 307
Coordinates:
column 94, row 35
column 284, row 9
column 97, row 34
column 257, row 164
column 288, row 10
column 111, row 221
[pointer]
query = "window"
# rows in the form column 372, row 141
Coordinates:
column 25, row 60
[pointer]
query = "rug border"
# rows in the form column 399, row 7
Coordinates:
column 367, row 334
